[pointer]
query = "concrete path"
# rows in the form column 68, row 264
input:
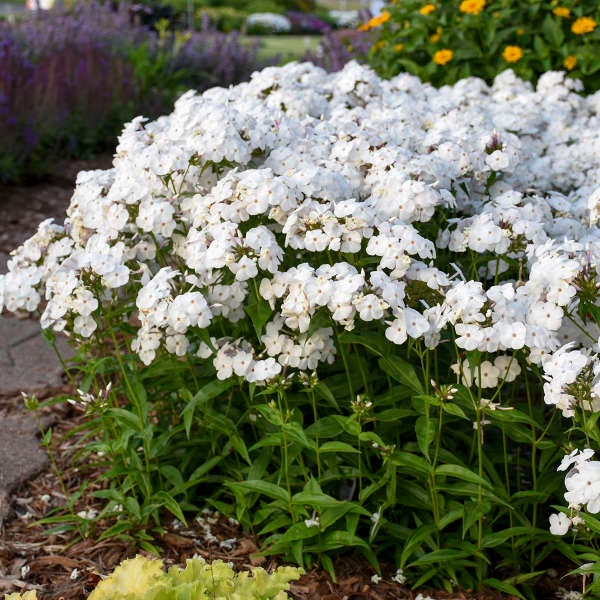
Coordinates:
column 27, row 364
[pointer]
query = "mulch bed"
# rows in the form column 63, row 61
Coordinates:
column 65, row 565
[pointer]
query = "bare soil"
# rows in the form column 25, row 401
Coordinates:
column 23, row 207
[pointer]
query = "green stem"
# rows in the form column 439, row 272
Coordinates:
column 136, row 403
column 315, row 419
column 46, row 444
column 285, row 452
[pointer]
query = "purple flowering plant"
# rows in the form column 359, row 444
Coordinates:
column 70, row 78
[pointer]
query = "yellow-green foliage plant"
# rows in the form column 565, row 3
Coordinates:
column 143, row 578
column 444, row 41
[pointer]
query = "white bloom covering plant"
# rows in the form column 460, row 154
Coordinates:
column 269, row 22
column 263, row 227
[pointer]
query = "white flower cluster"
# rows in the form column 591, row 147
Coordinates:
column 308, row 194
column 269, row 21
column 583, row 490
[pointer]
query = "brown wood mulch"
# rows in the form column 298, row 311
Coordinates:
column 64, row 565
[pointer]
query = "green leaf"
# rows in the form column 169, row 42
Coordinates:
column 393, row 415
column 454, row 409
column 273, row 524
column 126, row 418
column 461, row 473
column 165, row 499
column 503, row 586
column 238, row 443
column 280, row 542
column 410, row 461
column 262, row 487
column 132, row 506
column 401, row 371
column 199, row 473
column 334, row 540
column 330, row 515
column 540, row 47
column 416, row 540
column 441, row 556
column 295, row 434
column 552, row 31
column 492, row 540
column 337, row 447
column 208, row 392
column 425, row 430
column 372, row 340
column 315, row 500
column 259, row 311
column 117, row 530
column 324, row 392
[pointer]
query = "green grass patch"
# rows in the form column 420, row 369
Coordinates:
column 288, row 47
column 341, row 5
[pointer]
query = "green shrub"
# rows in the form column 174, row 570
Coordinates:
column 223, row 18
column 250, row 6
column 442, row 42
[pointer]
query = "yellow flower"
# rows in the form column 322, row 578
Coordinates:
column 583, row 25
column 380, row 44
column 512, row 53
column 520, row 31
column 562, row 11
column 471, row 7
column 441, row 57
column 570, row 62
column 398, row 47
column 376, row 21
column 427, row 9
column 435, row 38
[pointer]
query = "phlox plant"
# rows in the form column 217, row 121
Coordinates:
column 442, row 42
column 350, row 313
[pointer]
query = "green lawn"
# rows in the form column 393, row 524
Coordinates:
column 290, row 47
column 344, row 5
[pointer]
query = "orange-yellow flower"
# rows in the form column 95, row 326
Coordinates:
column 427, row 9
column 583, row 25
column 562, row 11
column 442, row 57
column 512, row 53
column 379, row 45
column 570, row 62
column 520, row 31
column 398, row 47
column 435, row 38
column 376, row 21
column 471, row 7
